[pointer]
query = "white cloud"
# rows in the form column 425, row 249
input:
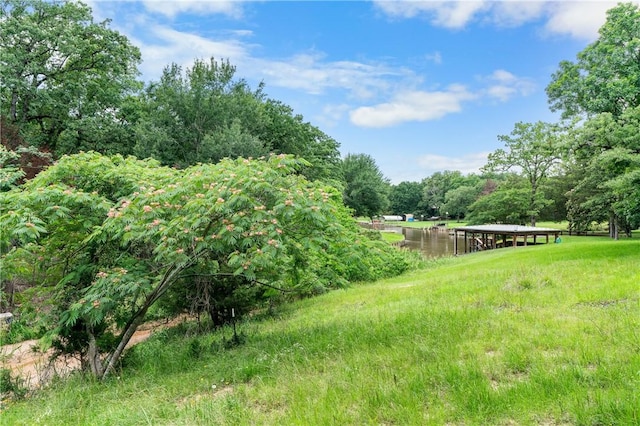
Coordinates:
column 308, row 72
column 448, row 14
column 416, row 105
column 332, row 114
column 171, row 46
column 412, row 106
column 515, row 13
column 470, row 163
column 171, row 8
column 435, row 57
column 503, row 85
column 396, row 92
column 579, row 19
column 242, row 33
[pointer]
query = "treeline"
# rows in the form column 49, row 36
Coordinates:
column 479, row 198
column 585, row 169
column 69, row 84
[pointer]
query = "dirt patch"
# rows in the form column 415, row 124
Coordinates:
column 35, row 367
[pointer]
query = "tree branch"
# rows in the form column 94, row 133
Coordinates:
column 229, row 274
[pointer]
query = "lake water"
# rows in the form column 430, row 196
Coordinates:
column 431, row 243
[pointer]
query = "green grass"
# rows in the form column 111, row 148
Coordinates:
column 536, row 335
column 392, row 237
column 564, row 225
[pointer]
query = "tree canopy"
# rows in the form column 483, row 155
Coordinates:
column 61, row 73
column 205, row 114
column 108, row 237
column 605, row 161
column 406, row 197
column 365, row 187
column 507, row 204
column 68, row 84
column 603, row 88
column 605, row 78
column 436, row 187
column 532, row 149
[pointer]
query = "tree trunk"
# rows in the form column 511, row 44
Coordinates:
column 613, row 227
column 93, row 355
column 532, row 203
column 167, row 281
column 13, row 115
column 126, row 336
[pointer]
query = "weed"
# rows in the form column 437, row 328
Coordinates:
column 11, row 385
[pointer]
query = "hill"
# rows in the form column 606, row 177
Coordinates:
column 538, row 335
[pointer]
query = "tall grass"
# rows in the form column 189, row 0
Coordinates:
column 537, row 335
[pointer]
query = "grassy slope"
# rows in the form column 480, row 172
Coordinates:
column 538, row 335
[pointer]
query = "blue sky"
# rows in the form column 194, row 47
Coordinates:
column 421, row 86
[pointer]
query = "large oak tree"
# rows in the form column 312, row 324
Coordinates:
column 205, row 113
column 603, row 87
column 606, row 75
column 62, row 75
column 531, row 149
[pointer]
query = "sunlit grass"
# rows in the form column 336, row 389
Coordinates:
column 392, row 237
column 537, row 335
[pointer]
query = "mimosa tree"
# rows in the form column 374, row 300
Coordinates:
column 109, row 236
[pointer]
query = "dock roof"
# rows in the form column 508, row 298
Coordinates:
column 490, row 234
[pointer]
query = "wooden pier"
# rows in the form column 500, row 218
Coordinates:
column 489, row 237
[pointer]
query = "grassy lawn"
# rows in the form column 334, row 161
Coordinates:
column 539, row 335
column 392, row 237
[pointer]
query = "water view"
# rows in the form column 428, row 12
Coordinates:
column 435, row 242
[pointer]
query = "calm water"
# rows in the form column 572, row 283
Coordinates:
column 431, row 243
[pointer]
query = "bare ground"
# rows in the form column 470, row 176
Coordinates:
column 35, row 368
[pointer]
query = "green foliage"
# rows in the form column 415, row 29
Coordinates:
column 365, row 187
column 458, row 200
column 603, row 86
column 406, row 197
column 532, row 150
column 605, row 166
column 286, row 133
column 537, row 335
column 62, row 74
column 11, row 386
column 507, row 204
column 10, row 172
column 205, row 114
column 556, row 190
column 435, row 188
column 114, row 235
column 606, row 76
column 25, row 327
